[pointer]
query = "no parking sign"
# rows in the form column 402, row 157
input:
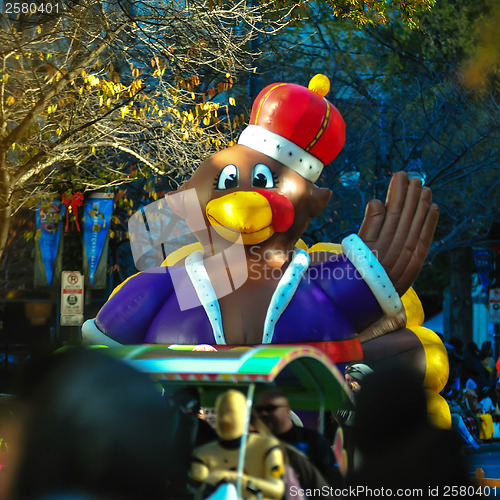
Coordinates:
column 71, row 298
column 495, row 305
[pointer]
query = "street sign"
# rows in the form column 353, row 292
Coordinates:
column 71, row 298
column 495, row 305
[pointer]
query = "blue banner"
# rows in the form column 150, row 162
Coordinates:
column 96, row 218
column 48, row 224
column 484, row 265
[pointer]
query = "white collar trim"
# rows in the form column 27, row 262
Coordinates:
column 282, row 296
column 201, row 282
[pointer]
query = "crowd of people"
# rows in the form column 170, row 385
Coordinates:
column 473, row 391
column 85, row 425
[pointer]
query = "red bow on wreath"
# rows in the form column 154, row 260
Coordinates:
column 75, row 201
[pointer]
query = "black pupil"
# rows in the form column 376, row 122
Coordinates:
column 260, row 180
column 231, row 181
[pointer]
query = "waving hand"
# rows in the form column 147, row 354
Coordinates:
column 400, row 232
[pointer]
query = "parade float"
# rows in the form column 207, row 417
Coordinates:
column 249, row 280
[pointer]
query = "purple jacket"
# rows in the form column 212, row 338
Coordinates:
column 329, row 302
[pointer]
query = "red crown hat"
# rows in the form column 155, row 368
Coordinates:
column 296, row 126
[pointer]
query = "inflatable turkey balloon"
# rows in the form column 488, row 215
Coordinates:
column 248, row 206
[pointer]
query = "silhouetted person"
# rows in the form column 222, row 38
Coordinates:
column 353, row 375
column 300, row 472
column 456, row 361
column 186, row 402
column 92, row 427
column 488, row 361
column 274, row 410
column 398, row 445
column 473, row 368
column 191, row 432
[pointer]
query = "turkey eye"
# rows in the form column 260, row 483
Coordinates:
column 262, row 177
column 228, row 178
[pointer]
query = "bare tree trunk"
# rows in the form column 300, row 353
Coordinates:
column 5, row 206
column 460, row 294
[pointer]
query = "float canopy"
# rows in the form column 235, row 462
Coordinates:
column 305, row 374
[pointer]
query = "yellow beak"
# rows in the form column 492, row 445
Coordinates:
column 243, row 212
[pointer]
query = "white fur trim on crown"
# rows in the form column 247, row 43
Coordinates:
column 283, row 150
column 372, row 273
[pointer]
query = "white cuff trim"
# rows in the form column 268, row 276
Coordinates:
column 93, row 336
column 283, row 150
column 372, row 273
